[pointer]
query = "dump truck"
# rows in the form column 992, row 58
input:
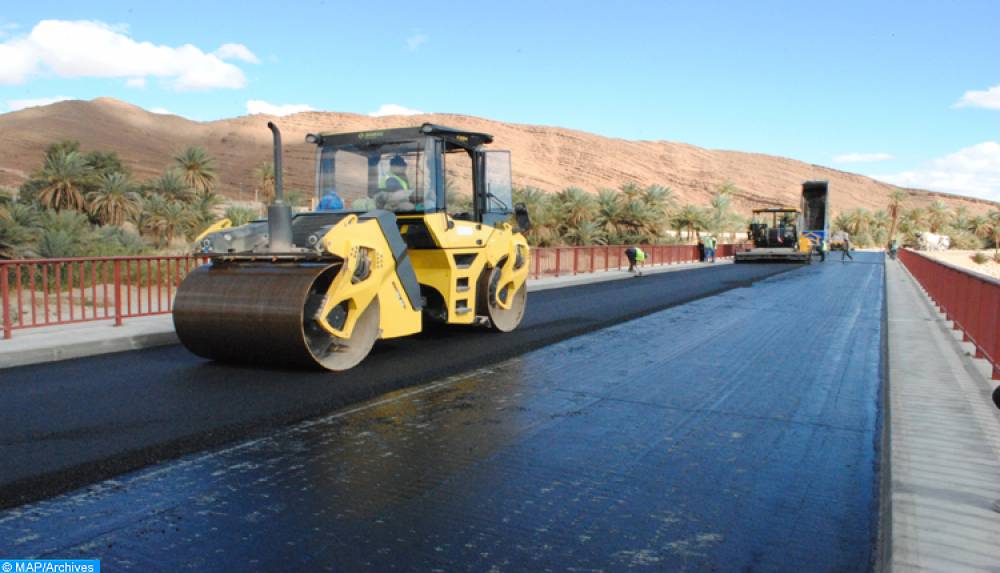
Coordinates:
column 379, row 256
column 816, row 213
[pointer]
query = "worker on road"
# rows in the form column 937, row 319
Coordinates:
column 701, row 250
column 846, row 253
column 822, row 249
column 635, row 257
column 710, row 244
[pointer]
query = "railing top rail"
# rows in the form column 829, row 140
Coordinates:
column 41, row 261
column 973, row 274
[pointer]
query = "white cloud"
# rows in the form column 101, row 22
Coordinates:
column 394, row 109
column 861, row 157
column 91, row 49
column 19, row 104
column 987, row 99
column 236, row 52
column 416, row 40
column 972, row 171
column 256, row 106
column 136, row 82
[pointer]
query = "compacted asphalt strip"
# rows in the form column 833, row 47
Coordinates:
column 70, row 423
column 739, row 432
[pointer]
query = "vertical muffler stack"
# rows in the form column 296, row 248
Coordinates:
column 279, row 214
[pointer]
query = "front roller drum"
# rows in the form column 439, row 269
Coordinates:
column 264, row 314
column 501, row 319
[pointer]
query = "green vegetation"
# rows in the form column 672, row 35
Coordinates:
column 631, row 214
column 980, row 258
column 241, row 215
column 87, row 204
column 868, row 229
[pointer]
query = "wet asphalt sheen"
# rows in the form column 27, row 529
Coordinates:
column 735, row 433
column 72, row 423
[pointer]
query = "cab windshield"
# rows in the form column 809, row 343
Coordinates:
column 393, row 176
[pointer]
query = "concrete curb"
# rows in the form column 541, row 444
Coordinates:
column 945, row 446
column 66, row 342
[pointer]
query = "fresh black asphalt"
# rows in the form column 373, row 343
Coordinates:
column 740, row 432
column 67, row 424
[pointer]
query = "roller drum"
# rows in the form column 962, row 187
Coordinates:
column 254, row 313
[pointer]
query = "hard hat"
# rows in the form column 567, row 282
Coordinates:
column 397, row 161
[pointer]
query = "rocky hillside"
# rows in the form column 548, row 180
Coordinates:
column 547, row 157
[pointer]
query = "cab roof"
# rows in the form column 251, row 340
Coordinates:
column 453, row 138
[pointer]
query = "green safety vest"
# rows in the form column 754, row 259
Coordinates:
column 639, row 254
column 402, row 182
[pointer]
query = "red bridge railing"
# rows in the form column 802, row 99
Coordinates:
column 561, row 261
column 48, row 292
column 971, row 301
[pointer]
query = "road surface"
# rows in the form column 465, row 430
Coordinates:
column 735, row 433
column 71, row 423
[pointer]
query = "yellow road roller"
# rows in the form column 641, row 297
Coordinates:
column 380, row 254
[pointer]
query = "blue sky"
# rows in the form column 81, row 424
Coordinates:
column 900, row 90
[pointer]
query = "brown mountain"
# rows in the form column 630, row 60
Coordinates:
column 551, row 158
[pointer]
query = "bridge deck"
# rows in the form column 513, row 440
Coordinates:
column 736, row 432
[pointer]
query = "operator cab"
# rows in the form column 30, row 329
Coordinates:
column 403, row 171
column 774, row 228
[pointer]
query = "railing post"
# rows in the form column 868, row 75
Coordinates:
column 8, row 324
column 557, row 261
column 118, row 292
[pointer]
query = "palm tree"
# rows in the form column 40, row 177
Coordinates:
column 240, row 215
column 575, row 206
column 981, row 227
column 264, row 176
column 631, row 190
column 65, row 176
column 913, row 220
column 690, row 218
column 63, row 234
column 173, row 187
column 586, row 233
column 544, row 224
column 609, row 212
column 896, row 200
column 170, row 219
column 995, row 231
column 18, row 230
column 960, row 219
column 115, row 201
column 198, row 168
column 859, row 222
column 719, row 217
column 938, row 216
column 880, row 222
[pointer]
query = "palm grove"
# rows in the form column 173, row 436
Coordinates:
column 88, row 204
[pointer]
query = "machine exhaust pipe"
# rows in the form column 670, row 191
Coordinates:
column 279, row 215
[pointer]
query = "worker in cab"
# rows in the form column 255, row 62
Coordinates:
column 394, row 189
